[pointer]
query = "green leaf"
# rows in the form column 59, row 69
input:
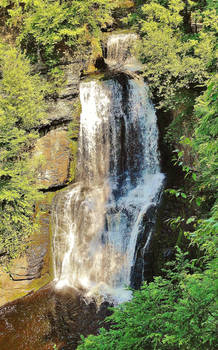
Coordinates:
column 190, row 220
column 198, row 201
column 194, row 176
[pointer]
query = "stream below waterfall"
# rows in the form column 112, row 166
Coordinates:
column 103, row 224
column 47, row 317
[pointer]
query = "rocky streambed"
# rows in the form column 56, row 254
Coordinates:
column 49, row 317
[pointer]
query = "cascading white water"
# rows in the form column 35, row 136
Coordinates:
column 119, row 52
column 97, row 220
column 119, row 48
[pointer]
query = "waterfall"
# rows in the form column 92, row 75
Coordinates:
column 119, row 48
column 96, row 221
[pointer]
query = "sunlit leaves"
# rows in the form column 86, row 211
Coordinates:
column 45, row 25
column 176, row 312
column 206, row 135
column 21, row 109
column 173, row 59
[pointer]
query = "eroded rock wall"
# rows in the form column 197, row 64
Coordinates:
column 54, row 148
column 32, row 270
column 56, row 153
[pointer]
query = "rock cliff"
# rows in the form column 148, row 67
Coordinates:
column 56, row 149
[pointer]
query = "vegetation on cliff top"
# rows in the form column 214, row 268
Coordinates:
column 46, row 29
column 177, row 55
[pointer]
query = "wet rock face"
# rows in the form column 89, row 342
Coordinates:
column 72, row 73
column 59, row 113
column 143, row 267
column 54, row 146
column 54, row 152
column 61, row 108
column 29, row 267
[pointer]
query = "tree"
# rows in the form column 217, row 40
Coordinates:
column 174, row 60
column 175, row 312
column 205, row 145
column 21, row 110
column 47, row 28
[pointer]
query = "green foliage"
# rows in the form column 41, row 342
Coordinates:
column 205, row 139
column 177, row 193
column 203, row 170
column 205, row 145
column 21, row 109
column 205, row 234
column 175, row 312
column 21, row 92
column 174, row 59
column 48, row 28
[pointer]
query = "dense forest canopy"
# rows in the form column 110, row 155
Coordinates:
column 178, row 52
